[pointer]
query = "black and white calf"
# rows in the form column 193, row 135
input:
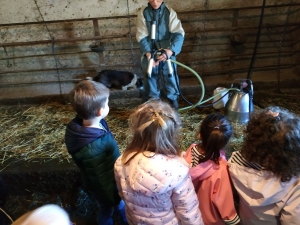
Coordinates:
column 118, row 79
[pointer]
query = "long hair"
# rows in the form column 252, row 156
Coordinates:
column 155, row 128
column 215, row 131
column 273, row 141
column 88, row 97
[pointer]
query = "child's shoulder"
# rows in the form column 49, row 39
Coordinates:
column 172, row 162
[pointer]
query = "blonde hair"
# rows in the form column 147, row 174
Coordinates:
column 155, row 128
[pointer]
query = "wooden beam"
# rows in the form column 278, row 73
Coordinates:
column 85, row 68
column 183, row 75
column 132, row 16
column 95, row 67
column 295, row 25
column 61, row 40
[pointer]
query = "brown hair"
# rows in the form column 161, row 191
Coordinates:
column 215, row 131
column 155, row 128
column 88, row 97
column 273, row 141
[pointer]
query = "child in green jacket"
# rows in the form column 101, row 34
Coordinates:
column 94, row 149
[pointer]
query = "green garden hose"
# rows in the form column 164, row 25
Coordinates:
column 202, row 89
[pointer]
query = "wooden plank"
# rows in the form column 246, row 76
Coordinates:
column 296, row 26
column 182, row 75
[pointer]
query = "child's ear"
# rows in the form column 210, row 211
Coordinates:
column 99, row 112
column 199, row 136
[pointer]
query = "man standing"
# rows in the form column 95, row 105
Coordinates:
column 169, row 37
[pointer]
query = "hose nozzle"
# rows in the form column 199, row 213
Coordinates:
column 153, row 29
column 170, row 68
column 150, row 66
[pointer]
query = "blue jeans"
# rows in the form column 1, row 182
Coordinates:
column 106, row 212
column 160, row 84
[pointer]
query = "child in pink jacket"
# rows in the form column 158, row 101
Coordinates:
column 209, row 171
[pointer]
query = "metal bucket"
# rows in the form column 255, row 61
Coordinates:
column 224, row 98
column 240, row 104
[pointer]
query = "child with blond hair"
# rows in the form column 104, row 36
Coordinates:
column 151, row 176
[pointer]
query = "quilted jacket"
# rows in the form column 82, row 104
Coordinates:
column 94, row 151
column 157, row 190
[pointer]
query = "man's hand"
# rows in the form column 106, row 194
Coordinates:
column 164, row 57
column 148, row 55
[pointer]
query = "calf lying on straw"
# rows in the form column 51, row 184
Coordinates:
column 118, row 79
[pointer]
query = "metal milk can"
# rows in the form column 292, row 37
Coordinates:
column 240, row 104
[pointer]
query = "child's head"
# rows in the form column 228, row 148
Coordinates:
column 215, row 132
column 273, row 141
column 88, row 97
column 46, row 215
column 155, row 126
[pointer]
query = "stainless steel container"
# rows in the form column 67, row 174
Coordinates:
column 240, row 104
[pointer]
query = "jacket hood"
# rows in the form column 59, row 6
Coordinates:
column 263, row 186
column 77, row 136
column 205, row 170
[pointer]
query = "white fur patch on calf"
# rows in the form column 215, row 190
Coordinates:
column 131, row 84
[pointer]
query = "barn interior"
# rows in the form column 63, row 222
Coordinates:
column 48, row 46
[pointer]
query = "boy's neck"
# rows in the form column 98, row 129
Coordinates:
column 92, row 122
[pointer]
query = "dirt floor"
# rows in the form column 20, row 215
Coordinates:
column 38, row 170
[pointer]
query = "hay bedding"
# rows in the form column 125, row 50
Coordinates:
column 31, row 132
